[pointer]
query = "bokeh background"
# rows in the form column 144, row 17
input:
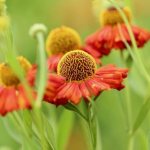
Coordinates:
column 83, row 15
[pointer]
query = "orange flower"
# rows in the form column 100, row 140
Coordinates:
column 108, row 37
column 12, row 93
column 78, row 77
column 60, row 41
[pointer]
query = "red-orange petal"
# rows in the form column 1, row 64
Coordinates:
column 84, row 90
column 76, row 95
column 53, row 62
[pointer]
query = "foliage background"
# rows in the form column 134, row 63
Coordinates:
column 80, row 15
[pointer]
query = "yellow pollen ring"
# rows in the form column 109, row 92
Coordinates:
column 111, row 16
column 62, row 40
column 76, row 65
column 8, row 77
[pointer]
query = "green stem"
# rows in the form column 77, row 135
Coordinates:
column 43, row 69
column 128, row 112
column 130, row 143
column 128, row 95
column 139, row 64
column 38, row 122
column 18, row 121
column 92, row 125
column 91, row 121
column 72, row 107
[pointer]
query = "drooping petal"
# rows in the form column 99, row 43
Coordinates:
column 84, row 90
column 142, row 36
column 76, row 95
column 112, row 76
column 53, row 62
column 95, row 87
column 31, row 75
column 8, row 100
column 109, row 37
column 54, row 85
column 118, row 40
column 24, row 100
column 13, row 99
column 100, row 43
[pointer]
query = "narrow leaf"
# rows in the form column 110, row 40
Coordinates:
column 64, row 129
column 49, row 133
column 71, row 107
column 142, row 115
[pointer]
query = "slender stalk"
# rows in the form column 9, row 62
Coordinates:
column 130, row 143
column 37, row 31
column 128, row 96
column 43, row 69
column 92, row 124
column 19, row 123
column 129, row 110
column 38, row 122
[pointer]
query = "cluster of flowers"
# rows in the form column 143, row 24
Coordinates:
column 74, row 71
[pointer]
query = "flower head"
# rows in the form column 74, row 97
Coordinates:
column 111, row 16
column 4, row 19
column 78, row 77
column 60, row 41
column 109, row 37
column 8, row 77
column 12, row 93
column 76, row 66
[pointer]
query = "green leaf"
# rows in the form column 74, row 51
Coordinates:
column 141, row 140
column 64, row 129
column 129, row 61
column 13, row 128
column 142, row 115
column 49, row 133
column 27, row 119
column 72, row 107
column 16, row 131
column 139, row 87
column 5, row 148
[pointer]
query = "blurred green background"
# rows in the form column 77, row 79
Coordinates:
column 81, row 15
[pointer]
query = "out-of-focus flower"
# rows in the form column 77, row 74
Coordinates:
column 12, row 94
column 108, row 37
column 4, row 19
column 60, row 41
column 78, row 77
